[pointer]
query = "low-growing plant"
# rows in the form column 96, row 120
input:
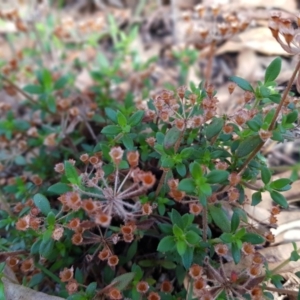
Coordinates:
column 146, row 201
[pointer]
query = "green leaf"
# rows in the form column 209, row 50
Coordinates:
column 187, row 257
column 187, row 220
column 177, row 231
column 279, row 199
column 264, row 91
column 181, row 247
column 187, row 152
column 122, row 121
column 128, row 142
column 167, row 162
column 256, row 198
column 91, row 289
column 253, row 125
column 235, row 221
column 253, row 238
column 240, row 233
column 167, row 264
column 33, row 89
column 192, row 237
column 276, row 98
column 71, row 173
column 20, row 160
column 214, row 128
column 265, row 174
column 219, row 217
column 59, row 188
column 205, row 188
column 248, row 145
column 187, row 185
column 61, row 82
column 136, row 118
column 122, row 281
column 292, row 117
column 165, row 228
column 2, row 291
column 51, row 218
column 35, row 280
column 227, row 237
column 196, row 170
column 46, row 248
column 51, row 103
column 35, row 246
column 280, row 183
column 242, row 83
column 276, row 280
column 236, row 253
column 47, row 79
column 111, row 114
column 176, row 218
column 171, row 137
column 217, row 176
column 42, row 203
column 111, row 130
column 273, row 70
column 294, row 256
column 166, row 244
column 181, row 169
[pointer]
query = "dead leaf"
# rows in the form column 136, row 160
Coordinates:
column 258, row 39
column 14, row 291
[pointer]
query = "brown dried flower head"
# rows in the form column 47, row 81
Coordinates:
column 142, row 287
column 66, row 274
column 59, row 168
column 147, row 209
column 113, row 260
column 104, row 254
column 166, row 286
column 23, row 223
column 74, row 224
column 195, row 271
column 84, row 158
column 57, row 233
column 221, row 249
column 195, row 208
column 133, row 158
column 153, row 296
column 177, row 195
column 72, row 286
column 248, row 249
column 102, row 219
column 27, row 265
column 115, row 294
column 77, row 238
column 116, row 154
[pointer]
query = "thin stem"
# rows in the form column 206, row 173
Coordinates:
column 116, row 180
column 282, row 291
column 124, row 180
column 210, row 61
column 128, row 191
column 204, row 223
column 18, row 89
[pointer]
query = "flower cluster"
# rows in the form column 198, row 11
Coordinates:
column 208, row 282
column 209, row 23
column 105, row 197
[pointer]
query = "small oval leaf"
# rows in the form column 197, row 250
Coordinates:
column 248, row 145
